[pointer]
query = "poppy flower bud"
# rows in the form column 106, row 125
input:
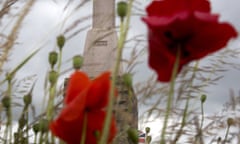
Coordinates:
column 148, row 139
column 27, row 99
column 53, row 75
column 24, row 140
column 77, row 62
column 36, row 128
column 9, row 76
column 43, row 125
column 52, row 58
column 16, row 136
column 147, row 129
column 133, row 135
column 6, row 101
column 60, row 41
column 230, row 121
column 22, row 122
column 127, row 79
column 122, row 9
column 203, row 98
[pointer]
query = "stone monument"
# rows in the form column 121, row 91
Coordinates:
column 101, row 42
column 100, row 55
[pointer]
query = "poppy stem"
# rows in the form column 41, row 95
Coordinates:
column 84, row 130
column 52, row 90
column 185, row 114
column 8, row 97
column 52, row 95
column 170, row 95
column 226, row 135
column 123, row 35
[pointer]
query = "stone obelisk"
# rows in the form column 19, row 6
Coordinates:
column 101, row 42
column 100, row 55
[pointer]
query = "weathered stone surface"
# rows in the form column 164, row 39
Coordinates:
column 100, row 51
column 126, row 112
column 101, row 43
column 104, row 14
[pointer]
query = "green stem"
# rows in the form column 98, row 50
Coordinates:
column 27, row 125
column 35, row 138
column 60, row 61
column 170, row 96
column 61, row 142
column 50, row 107
column 8, row 130
column 41, row 138
column 121, row 42
column 226, row 135
column 52, row 139
column 84, row 130
column 52, row 93
column 202, row 119
column 183, row 122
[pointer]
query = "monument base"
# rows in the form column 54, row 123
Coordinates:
column 126, row 112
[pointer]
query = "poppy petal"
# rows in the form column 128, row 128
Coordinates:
column 95, row 125
column 98, row 92
column 78, row 81
column 170, row 7
column 68, row 125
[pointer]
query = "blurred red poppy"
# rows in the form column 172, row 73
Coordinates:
column 185, row 25
column 84, row 98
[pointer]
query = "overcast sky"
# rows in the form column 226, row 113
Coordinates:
column 47, row 20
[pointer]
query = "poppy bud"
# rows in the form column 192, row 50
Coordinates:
column 16, row 135
column 9, row 76
column 203, row 98
column 230, row 121
column 77, row 62
column 53, row 75
column 60, row 41
column 43, row 125
column 127, row 79
column 36, row 128
column 147, row 129
column 24, row 140
column 6, row 101
column 27, row 99
column 122, row 9
column 148, row 139
column 133, row 135
column 52, row 58
column 22, row 122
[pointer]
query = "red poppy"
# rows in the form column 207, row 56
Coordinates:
column 84, row 98
column 185, row 25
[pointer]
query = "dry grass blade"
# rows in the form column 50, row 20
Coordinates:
column 6, row 7
column 13, row 34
